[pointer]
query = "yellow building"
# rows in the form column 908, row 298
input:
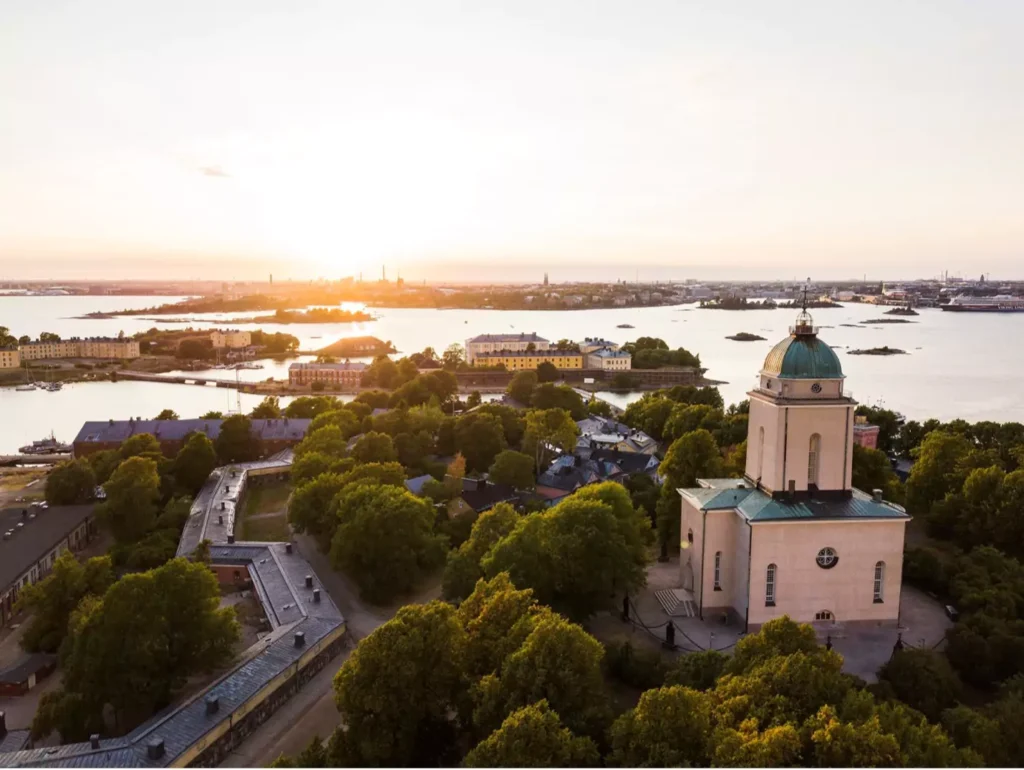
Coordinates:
column 514, row 361
column 233, row 338
column 92, row 347
column 10, row 358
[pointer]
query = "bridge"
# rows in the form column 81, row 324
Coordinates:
column 183, row 379
column 8, row 460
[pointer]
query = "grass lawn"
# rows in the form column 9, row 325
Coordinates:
column 265, row 517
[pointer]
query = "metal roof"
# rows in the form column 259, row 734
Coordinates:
column 803, row 356
column 116, row 431
column 40, row 532
column 531, row 337
column 754, row 505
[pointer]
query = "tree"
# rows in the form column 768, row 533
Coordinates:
column 697, row 670
column 453, row 355
column 599, row 408
column 399, row 715
column 547, row 430
column 547, row 372
column 937, row 470
column 474, row 400
column 513, row 468
column 558, row 662
column 135, row 647
column 923, row 679
column 212, row 415
column 384, row 540
column 308, row 407
column 268, row 408
column 374, row 447
column 133, row 492
column 669, row 727
column 691, row 456
column 776, row 638
column 577, row 556
column 309, row 507
column 343, row 419
column 463, row 569
column 872, row 470
column 313, row 464
column 72, row 482
column 512, row 421
column 479, row 438
column 236, row 443
column 49, row 337
column 550, row 396
column 104, row 463
column 533, row 736
column 194, row 463
column 138, row 445
column 7, row 340
column 328, row 440
column 51, row 601
column 843, row 744
column 195, row 349
column 167, row 414
column 747, row 747
column 522, row 385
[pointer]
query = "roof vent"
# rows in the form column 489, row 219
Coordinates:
column 223, row 506
column 309, row 581
column 300, row 638
column 316, row 595
column 94, row 740
column 155, row 747
column 220, row 520
column 741, row 485
column 3, row 724
column 212, row 704
column 287, row 547
column 876, row 495
column 231, row 539
column 7, row 535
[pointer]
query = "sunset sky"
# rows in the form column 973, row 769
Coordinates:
column 230, row 138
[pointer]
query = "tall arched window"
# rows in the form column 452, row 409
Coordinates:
column 769, row 586
column 814, row 450
column 760, row 452
column 879, row 582
column 718, row 570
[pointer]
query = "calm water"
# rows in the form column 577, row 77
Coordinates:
column 959, row 364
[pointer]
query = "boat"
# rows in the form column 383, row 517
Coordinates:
column 1001, row 303
column 46, row 446
column 26, row 386
column 625, row 326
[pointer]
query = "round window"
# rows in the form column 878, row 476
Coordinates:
column 827, row 558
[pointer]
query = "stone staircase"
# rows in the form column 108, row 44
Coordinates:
column 677, row 602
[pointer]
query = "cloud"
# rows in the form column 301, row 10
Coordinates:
column 215, row 171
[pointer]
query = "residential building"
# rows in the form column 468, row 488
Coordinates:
column 89, row 347
column 865, row 434
column 610, row 360
column 793, row 536
column 343, row 375
column 33, row 538
column 481, row 495
column 590, row 344
column 514, row 361
column 605, row 433
column 232, row 338
column 492, row 343
column 274, row 434
column 10, row 358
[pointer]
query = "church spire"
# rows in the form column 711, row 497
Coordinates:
column 804, row 325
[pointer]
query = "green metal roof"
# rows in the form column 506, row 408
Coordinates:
column 803, row 356
column 754, row 505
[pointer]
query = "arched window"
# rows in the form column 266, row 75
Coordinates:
column 760, row 452
column 812, row 460
column 689, row 536
column 879, row 582
column 718, row 570
column 769, row 586
column 824, row 615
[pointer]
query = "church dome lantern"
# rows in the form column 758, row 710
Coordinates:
column 802, row 356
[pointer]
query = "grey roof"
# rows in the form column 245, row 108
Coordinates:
column 609, row 353
column 24, row 668
column 116, row 431
column 531, row 337
column 14, row 740
column 755, row 505
column 527, row 354
column 415, row 485
column 347, row 366
column 42, row 530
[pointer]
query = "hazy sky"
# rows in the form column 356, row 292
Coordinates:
column 226, row 138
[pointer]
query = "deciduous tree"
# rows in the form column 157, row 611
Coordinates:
column 533, row 736
column 236, row 442
column 669, row 727
column 479, row 438
column 133, row 493
column 463, row 569
column 72, row 482
column 513, row 468
column 268, row 408
column 195, row 462
column 374, row 447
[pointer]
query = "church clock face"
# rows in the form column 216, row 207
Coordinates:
column 816, row 387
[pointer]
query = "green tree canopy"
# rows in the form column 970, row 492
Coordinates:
column 328, row 440
column 167, row 414
column 309, row 508
column 547, row 429
column 374, row 447
column 344, row 419
column 308, row 407
column 547, row 372
column 522, row 385
column 691, row 456
column 479, row 437
column 937, row 470
column 194, row 463
column 268, row 408
column 669, row 727
column 139, row 444
column 72, row 482
column 533, row 736
column 236, row 442
column 513, row 468
column 133, row 494
column 463, row 569
column 550, row 396
column 313, row 464
column 923, row 679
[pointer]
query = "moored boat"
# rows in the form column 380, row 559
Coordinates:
column 1001, row 303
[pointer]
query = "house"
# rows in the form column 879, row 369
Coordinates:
column 609, row 360
column 515, row 360
column 865, row 434
column 232, row 338
column 490, row 343
column 348, row 374
column 793, row 536
column 481, row 495
column 10, row 358
column 26, row 673
column 590, row 344
column 90, row 347
column 565, row 475
column 606, row 433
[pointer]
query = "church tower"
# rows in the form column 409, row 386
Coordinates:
column 800, row 433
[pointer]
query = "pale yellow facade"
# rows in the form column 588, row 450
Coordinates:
column 609, row 360
column 10, row 358
column 500, row 343
column 230, row 339
column 79, row 348
column 517, row 361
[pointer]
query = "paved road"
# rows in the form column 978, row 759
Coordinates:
column 311, row 711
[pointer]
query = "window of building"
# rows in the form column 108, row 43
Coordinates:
column 718, row 570
column 879, row 582
column 827, row 558
column 760, row 452
column 769, row 586
column 812, row 460
column 823, row 615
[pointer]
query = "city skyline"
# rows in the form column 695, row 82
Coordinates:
column 738, row 141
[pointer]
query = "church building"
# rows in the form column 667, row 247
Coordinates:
column 793, row 537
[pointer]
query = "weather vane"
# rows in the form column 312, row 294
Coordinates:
column 806, row 285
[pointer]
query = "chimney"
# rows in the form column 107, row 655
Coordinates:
column 300, row 638
column 309, row 581
column 287, row 547
column 94, row 741
column 316, row 595
column 876, row 495
column 3, row 724
column 231, row 539
column 212, row 704
column 792, row 486
column 155, row 747
column 220, row 520
column 223, row 507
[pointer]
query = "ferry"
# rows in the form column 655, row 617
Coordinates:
column 1001, row 303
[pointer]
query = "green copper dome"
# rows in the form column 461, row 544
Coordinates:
column 802, row 355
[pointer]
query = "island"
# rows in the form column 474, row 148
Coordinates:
column 745, row 337
column 902, row 311
column 315, row 315
column 355, row 347
column 888, row 321
column 882, row 351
